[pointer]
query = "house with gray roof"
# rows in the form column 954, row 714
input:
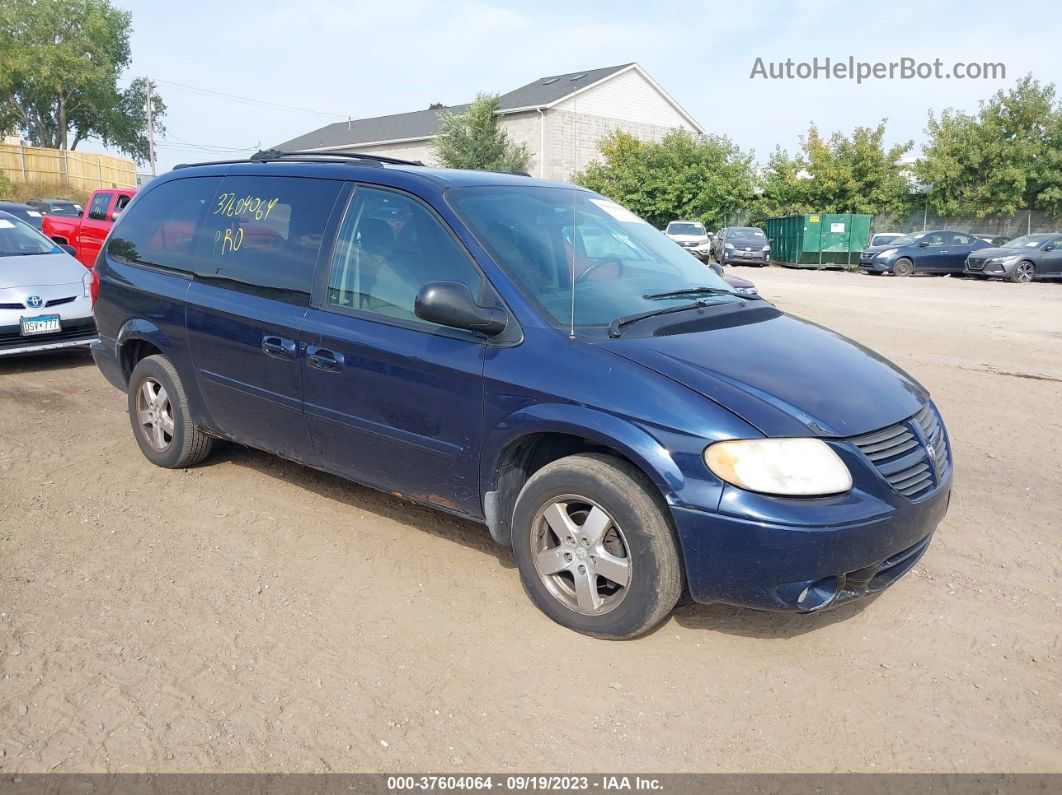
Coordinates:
column 561, row 119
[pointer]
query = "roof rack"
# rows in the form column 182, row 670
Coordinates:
column 274, row 155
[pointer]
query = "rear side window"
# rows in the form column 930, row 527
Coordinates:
column 160, row 231
column 101, row 202
column 262, row 235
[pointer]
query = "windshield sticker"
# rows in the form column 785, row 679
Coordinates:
column 5, row 224
column 34, row 213
column 621, row 214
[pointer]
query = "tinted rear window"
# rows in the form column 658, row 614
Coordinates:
column 160, row 230
column 262, row 235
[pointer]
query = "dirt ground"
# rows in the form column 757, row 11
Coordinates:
column 255, row 615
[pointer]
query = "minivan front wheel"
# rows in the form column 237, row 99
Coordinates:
column 903, row 267
column 595, row 548
column 162, row 423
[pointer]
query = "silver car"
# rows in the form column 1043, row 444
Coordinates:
column 45, row 294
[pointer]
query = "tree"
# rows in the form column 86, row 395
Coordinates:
column 841, row 174
column 60, row 62
column 1006, row 157
column 683, row 176
column 473, row 139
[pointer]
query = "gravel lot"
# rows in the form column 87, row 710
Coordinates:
column 253, row 614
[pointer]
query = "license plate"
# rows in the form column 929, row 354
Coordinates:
column 45, row 324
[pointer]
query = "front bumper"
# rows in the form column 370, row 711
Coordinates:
column 750, row 257
column 75, row 333
column 771, row 566
column 872, row 264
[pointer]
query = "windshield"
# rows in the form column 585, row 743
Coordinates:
column 908, row 240
column 17, row 238
column 682, row 228
column 880, row 240
column 745, row 233
column 64, row 209
column 1027, row 241
column 540, row 235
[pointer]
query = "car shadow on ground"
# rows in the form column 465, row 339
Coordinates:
column 46, row 362
column 474, row 535
column 471, row 534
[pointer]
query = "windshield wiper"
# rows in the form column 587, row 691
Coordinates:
column 617, row 324
column 694, row 291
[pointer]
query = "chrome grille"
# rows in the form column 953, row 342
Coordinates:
column 911, row 455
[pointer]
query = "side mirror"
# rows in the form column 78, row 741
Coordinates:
column 115, row 214
column 1049, row 247
column 923, row 244
column 715, row 266
column 68, row 249
column 452, row 304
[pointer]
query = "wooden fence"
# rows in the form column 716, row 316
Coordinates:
column 82, row 170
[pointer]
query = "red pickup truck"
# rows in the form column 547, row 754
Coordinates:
column 87, row 232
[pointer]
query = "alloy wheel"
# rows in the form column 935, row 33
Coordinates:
column 1023, row 272
column 154, row 414
column 581, row 555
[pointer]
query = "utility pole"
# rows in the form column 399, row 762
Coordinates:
column 150, row 128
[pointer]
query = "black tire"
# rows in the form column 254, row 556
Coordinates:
column 1022, row 273
column 187, row 445
column 873, row 273
column 903, row 267
column 638, row 519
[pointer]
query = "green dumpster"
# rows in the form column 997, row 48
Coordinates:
column 818, row 240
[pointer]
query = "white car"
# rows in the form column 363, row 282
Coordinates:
column 692, row 237
column 45, row 294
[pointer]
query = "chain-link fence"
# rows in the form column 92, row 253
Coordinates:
column 1023, row 222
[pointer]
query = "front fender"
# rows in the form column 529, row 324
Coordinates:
column 608, row 430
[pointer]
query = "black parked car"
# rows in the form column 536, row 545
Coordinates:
column 741, row 245
column 935, row 251
column 56, row 206
column 1023, row 259
column 24, row 212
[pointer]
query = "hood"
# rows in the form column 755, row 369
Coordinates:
column 40, row 270
column 785, row 376
column 879, row 249
column 752, row 243
column 737, row 281
column 992, row 253
column 689, row 238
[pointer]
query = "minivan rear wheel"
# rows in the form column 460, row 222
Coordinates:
column 159, row 414
column 595, row 548
column 903, row 267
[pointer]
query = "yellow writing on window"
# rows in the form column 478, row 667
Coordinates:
column 256, row 207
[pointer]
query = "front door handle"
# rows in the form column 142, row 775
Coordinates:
column 279, row 347
column 324, row 359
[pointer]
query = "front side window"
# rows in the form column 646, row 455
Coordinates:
column 161, row 229
column 389, row 247
column 548, row 239
column 262, row 235
column 101, row 202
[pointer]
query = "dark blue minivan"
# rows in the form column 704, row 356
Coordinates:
column 530, row 355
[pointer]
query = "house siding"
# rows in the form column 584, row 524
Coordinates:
column 573, row 140
column 629, row 97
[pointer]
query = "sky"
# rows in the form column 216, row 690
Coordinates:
column 330, row 59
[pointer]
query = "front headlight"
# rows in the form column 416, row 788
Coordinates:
column 766, row 248
column 887, row 253
column 86, row 282
column 728, row 245
column 784, row 467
